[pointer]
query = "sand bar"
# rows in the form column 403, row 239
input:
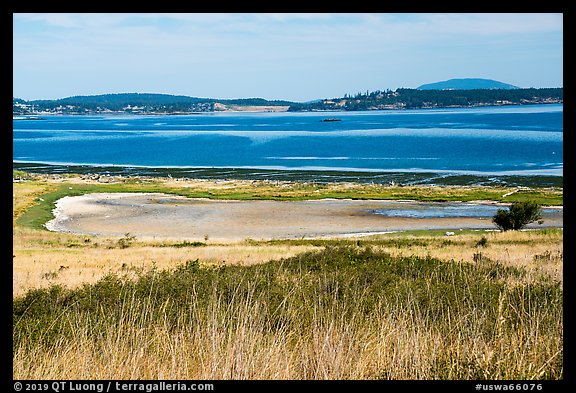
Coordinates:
column 163, row 216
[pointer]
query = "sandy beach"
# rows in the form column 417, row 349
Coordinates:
column 163, row 216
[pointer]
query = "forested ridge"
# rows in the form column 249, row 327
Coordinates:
column 416, row 99
column 402, row 98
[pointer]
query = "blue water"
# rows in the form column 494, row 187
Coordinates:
column 522, row 140
column 439, row 210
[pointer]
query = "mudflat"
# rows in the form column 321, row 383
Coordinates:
column 164, row 216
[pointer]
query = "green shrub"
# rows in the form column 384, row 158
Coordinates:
column 518, row 216
column 355, row 280
column 483, row 242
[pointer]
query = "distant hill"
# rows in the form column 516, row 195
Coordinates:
column 467, row 84
column 123, row 99
column 143, row 103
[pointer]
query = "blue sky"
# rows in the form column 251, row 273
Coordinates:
column 297, row 57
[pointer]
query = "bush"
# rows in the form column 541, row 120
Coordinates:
column 518, row 216
column 483, row 242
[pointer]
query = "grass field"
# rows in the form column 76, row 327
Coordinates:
column 415, row 305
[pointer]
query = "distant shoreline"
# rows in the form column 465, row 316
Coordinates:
column 35, row 115
column 402, row 98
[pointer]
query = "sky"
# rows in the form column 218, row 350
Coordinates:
column 295, row 57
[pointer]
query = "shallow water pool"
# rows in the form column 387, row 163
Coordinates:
column 439, row 210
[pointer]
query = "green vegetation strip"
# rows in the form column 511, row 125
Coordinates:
column 357, row 287
column 41, row 212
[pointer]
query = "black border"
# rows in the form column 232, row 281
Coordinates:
column 333, row 6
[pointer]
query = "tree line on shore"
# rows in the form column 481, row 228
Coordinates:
column 401, row 98
column 417, row 99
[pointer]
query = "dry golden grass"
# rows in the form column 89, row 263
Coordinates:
column 232, row 341
column 44, row 258
column 539, row 252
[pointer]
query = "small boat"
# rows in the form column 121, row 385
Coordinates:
column 331, row 119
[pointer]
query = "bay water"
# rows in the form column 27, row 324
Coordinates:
column 486, row 141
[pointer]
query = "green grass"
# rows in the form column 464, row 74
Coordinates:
column 539, row 196
column 348, row 290
column 41, row 212
column 18, row 174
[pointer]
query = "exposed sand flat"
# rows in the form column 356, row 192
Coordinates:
column 162, row 216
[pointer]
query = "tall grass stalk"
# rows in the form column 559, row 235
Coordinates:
column 342, row 313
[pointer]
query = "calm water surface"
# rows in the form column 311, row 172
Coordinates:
column 515, row 140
